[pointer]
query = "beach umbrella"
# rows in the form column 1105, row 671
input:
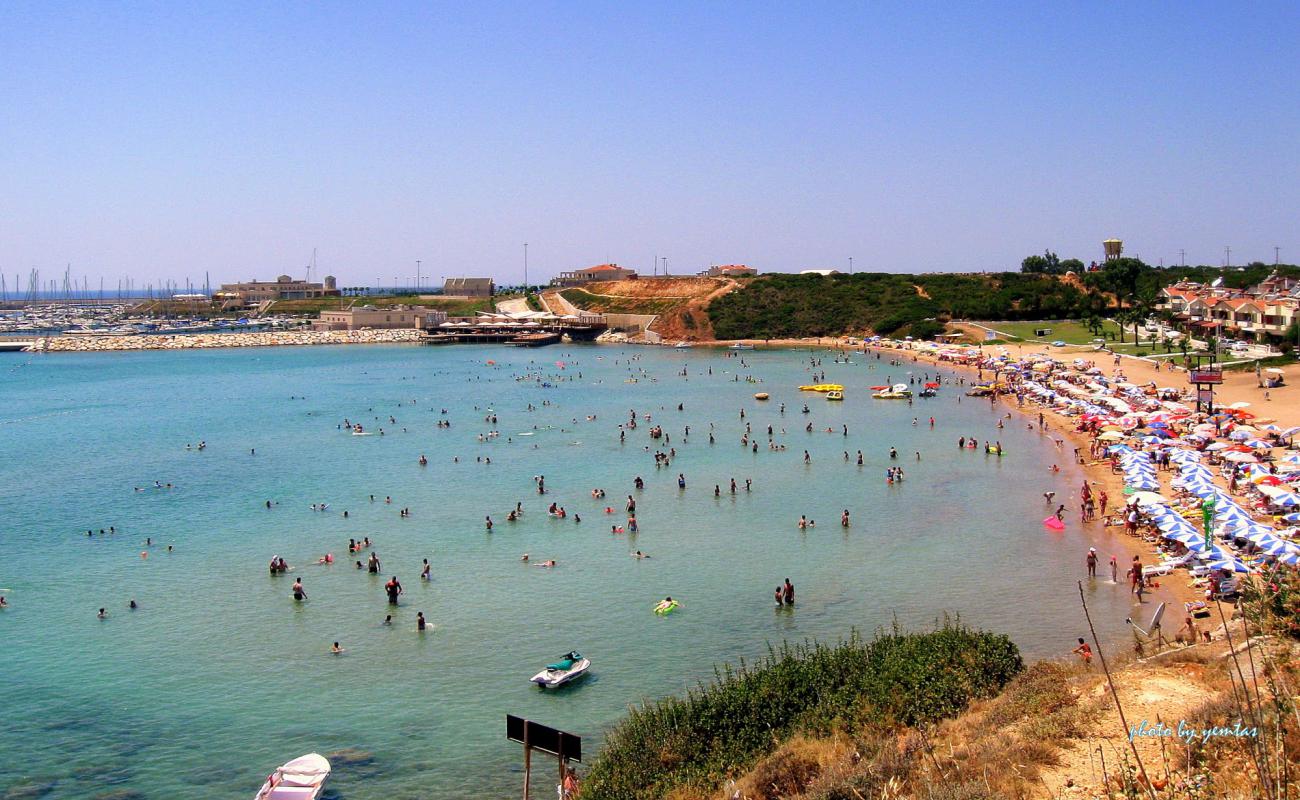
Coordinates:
column 1148, row 499
column 1241, row 458
column 1286, row 500
column 1277, row 547
column 1290, row 559
column 1230, row 565
column 1291, row 458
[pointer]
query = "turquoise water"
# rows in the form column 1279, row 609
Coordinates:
column 220, row 676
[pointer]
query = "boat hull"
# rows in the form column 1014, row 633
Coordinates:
column 554, row 678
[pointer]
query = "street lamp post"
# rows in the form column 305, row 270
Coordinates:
column 417, row 275
column 525, row 269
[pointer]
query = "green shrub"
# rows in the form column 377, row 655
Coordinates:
column 896, row 677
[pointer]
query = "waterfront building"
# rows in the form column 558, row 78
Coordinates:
column 601, row 272
column 469, row 287
column 729, row 271
column 282, row 288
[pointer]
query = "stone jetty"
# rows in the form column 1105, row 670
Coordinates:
column 196, row 341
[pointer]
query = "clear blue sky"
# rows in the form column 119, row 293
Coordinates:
column 163, row 140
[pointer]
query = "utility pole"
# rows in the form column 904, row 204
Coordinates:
column 1276, row 250
column 525, row 269
column 665, row 266
column 850, row 265
column 417, row 275
column 1182, row 258
column 1227, row 256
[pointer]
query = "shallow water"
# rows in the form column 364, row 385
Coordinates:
column 220, row 676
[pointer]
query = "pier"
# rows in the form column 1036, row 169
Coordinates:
column 526, row 329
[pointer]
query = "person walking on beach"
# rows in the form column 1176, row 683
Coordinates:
column 1092, row 562
column 1114, row 569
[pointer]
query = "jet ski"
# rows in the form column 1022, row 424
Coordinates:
column 567, row 669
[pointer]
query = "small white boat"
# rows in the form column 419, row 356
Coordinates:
column 566, row 670
column 681, row 345
column 835, row 394
column 739, row 346
column 300, row 779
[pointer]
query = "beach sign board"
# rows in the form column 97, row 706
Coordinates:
column 544, row 738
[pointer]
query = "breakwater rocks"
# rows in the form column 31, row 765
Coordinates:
column 194, row 341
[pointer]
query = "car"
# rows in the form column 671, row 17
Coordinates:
column 1058, row 343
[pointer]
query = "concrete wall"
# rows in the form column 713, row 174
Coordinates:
column 630, row 323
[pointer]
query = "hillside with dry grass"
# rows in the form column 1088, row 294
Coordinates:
column 680, row 303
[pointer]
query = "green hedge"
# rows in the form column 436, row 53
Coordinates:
column 778, row 305
column 715, row 730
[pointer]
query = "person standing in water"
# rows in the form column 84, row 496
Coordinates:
column 299, row 593
column 787, row 592
column 393, row 588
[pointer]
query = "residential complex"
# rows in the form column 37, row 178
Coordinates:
column 1257, row 312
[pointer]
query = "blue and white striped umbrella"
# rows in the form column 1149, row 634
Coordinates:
column 1230, row 564
column 1279, row 547
column 1291, row 559
column 1286, row 500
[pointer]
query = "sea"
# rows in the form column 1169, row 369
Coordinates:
column 218, row 675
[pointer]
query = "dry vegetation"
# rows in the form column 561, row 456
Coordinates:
column 680, row 303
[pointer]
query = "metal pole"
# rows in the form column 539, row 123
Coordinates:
column 525, row 269
column 417, row 274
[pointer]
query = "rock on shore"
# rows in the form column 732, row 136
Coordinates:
column 94, row 344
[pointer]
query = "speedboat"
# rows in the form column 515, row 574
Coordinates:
column 898, row 391
column 566, row 670
column 739, row 346
column 300, row 779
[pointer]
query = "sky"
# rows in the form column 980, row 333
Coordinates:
column 169, row 140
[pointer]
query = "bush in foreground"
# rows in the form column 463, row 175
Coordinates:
column 894, row 678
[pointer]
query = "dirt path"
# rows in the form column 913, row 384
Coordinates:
column 517, row 305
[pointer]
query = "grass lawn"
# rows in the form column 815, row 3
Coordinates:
column 1075, row 333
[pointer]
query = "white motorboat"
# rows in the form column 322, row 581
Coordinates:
column 899, row 391
column 681, row 345
column 566, row 670
column 740, row 346
column 300, row 779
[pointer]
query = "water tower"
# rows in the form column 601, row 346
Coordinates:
column 1113, row 248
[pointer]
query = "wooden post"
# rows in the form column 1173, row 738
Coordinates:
column 559, row 756
column 528, row 760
